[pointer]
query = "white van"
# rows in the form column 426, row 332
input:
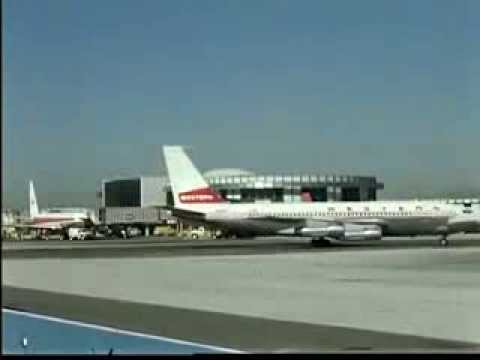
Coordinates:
column 79, row 233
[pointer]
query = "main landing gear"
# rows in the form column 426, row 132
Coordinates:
column 443, row 240
column 320, row 242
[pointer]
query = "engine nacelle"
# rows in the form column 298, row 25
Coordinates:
column 331, row 230
column 347, row 232
column 355, row 232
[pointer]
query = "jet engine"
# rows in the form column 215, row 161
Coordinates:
column 330, row 230
column 341, row 232
column 357, row 232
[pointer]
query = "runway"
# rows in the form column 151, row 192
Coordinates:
column 265, row 295
column 250, row 334
column 172, row 246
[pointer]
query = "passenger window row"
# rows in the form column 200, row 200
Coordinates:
column 345, row 214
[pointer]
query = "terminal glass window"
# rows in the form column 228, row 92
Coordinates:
column 169, row 198
column 350, row 194
column 122, row 193
column 224, row 193
column 316, row 193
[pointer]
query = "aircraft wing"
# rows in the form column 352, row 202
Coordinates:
column 321, row 222
column 346, row 229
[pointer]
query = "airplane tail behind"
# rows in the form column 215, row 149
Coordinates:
column 93, row 218
column 188, row 185
column 33, row 201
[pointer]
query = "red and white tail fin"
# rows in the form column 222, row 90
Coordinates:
column 188, row 185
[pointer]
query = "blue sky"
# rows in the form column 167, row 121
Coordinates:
column 92, row 89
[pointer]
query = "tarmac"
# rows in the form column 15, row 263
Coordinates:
column 262, row 295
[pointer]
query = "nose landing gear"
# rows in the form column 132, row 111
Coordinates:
column 443, row 240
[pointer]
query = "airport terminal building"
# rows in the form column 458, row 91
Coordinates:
column 146, row 199
column 238, row 185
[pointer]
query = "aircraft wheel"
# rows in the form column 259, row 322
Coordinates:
column 444, row 241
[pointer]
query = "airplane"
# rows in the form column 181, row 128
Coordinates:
column 324, row 222
column 56, row 218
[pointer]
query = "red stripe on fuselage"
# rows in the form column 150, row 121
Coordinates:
column 200, row 196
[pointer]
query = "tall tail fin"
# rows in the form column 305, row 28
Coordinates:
column 93, row 217
column 188, row 185
column 33, row 201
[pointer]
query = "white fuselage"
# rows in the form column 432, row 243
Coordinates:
column 56, row 218
column 395, row 217
column 61, row 217
column 197, row 201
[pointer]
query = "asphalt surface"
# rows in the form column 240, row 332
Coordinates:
column 219, row 329
column 262, row 295
column 165, row 247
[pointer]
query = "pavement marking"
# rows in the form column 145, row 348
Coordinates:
column 118, row 331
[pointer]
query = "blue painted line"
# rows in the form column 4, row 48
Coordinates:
column 29, row 333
